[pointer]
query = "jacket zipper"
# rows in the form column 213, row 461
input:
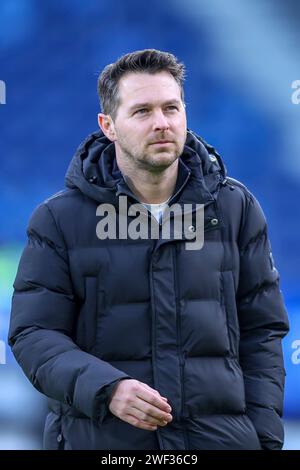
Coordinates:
column 153, row 330
column 181, row 187
column 179, row 350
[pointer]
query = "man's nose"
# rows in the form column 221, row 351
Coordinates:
column 160, row 121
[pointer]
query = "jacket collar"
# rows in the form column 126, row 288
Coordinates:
column 94, row 171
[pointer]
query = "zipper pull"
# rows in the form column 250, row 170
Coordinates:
column 225, row 182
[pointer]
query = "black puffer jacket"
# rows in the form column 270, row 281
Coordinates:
column 203, row 327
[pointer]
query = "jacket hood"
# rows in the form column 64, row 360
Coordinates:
column 94, row 170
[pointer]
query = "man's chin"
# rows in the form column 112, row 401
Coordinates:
column 162, row 161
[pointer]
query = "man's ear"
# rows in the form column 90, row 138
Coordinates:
column 106, row 124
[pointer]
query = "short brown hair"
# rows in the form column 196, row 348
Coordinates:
column 147, row 60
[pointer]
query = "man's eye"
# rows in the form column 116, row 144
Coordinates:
column 141, row 111
column 172, row 108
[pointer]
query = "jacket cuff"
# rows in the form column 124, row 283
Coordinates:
column 103, row 399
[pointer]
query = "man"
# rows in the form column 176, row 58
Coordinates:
column 140, row 342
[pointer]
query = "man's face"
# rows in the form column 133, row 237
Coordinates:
column 150, row 125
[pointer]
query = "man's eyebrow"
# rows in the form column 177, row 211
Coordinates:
column 146, row 105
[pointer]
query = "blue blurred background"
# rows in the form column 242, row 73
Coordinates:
column 241, row 59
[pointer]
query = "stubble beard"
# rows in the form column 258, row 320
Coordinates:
column 148, row 161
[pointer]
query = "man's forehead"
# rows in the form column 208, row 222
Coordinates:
column 134, row 86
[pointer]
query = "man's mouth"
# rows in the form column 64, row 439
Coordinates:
column 161, row 142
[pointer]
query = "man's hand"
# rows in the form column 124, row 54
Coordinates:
column 140, row 405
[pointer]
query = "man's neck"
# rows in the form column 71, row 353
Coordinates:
column 151, row 187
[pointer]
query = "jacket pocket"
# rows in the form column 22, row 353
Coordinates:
column 229, row 298
column 87, row 322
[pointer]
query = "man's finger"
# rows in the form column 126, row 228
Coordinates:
column 151, row 396
column 139, row 424
column 153, row 390
column 150, row 414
